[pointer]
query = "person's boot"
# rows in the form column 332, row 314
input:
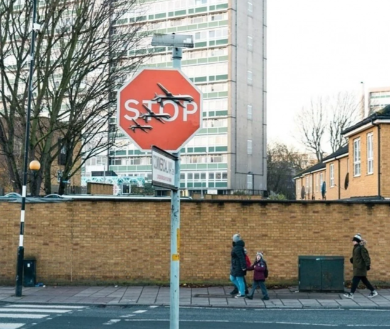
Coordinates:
column 234, row 291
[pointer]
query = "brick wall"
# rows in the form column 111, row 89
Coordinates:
column 129, row 241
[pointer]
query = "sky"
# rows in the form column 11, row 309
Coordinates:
column 319, row 48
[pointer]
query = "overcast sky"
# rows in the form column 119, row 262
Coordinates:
column 318, row 48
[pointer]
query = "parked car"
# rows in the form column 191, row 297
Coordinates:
column 53, row 196
column 12, row 195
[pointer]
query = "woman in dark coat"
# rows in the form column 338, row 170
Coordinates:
column 238, row 265
column 361, row 264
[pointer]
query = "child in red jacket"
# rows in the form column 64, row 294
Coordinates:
column 259, row 267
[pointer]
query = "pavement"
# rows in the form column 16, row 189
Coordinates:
column 190, row 296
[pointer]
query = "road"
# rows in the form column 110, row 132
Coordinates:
column 14, row 316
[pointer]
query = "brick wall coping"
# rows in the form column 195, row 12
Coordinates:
column 114, row 198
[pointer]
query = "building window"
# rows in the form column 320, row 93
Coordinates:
column 249, row 111
column 370, row 153
column 249, row 146
column 250, row 7
column 249, row 182
column 356, row 157
column 331, row 175
column 250, row 43
column 250, row 77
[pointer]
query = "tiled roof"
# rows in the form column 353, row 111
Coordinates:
column 383, row 114
column 341, row 151
column 316, row 167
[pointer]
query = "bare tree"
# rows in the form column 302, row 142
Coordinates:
column 322, row 122
column 312, row 124
column 344, row 111
column 283, row 163
column 82, row 56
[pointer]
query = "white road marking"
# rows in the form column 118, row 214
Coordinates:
column 127, row 316
column 44, row 306
column 11, row 325
column 112, row 321
column 153, row 306
column 368, row 325
column 308, row 324
column 140, row 311
column 28, row 311
column 24, row 316
column 32, row 310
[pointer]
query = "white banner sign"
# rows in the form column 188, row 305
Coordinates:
column 163, row 168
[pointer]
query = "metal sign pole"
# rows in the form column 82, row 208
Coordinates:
column 175, row 226
column 162, row 166
column 175, row 250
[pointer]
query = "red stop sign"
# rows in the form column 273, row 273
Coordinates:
column 159, row 107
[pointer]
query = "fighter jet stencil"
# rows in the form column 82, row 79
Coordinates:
column 150, row 114
column 169, row 96
column 136, row 125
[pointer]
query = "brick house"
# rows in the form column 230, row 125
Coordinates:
column 358, row 170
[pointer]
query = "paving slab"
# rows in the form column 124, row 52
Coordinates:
column 214, row 296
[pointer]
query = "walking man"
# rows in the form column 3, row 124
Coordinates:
column 361, row 264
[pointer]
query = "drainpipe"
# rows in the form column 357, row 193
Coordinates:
column 339, row 189
column 379, row 157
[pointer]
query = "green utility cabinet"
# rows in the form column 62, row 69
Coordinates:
column 321, row 273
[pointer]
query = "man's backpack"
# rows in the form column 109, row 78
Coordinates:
column 266, row 270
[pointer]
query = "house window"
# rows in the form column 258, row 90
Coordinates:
column 370, row 153
column 249, row 111
column 356, row 157
column 249, row 146
column 331, row 175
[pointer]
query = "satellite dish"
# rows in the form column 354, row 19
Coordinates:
column 346, row 182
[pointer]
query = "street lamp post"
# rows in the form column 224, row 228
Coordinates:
column 34, row 166
column 20, row 254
